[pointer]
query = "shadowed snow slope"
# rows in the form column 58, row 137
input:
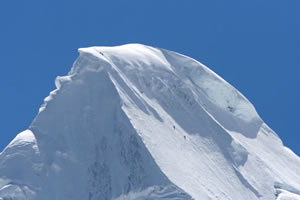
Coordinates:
column 134, row 122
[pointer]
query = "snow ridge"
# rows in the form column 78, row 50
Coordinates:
column 137, row 122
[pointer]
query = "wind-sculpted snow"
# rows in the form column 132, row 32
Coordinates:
column 134, row 122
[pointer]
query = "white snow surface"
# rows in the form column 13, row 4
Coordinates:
column 134, row 122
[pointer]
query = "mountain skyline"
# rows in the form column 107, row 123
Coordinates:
column 253, row 45
column 136, row 122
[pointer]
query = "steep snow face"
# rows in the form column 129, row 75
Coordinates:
column 136, row 122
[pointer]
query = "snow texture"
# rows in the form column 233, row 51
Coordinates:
column 134, row 122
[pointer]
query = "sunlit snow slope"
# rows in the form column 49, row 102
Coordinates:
column 133, row 123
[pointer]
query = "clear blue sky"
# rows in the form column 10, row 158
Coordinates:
column 254, row 45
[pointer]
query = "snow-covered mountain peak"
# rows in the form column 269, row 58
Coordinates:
column 141, row 65
column 136, row 122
